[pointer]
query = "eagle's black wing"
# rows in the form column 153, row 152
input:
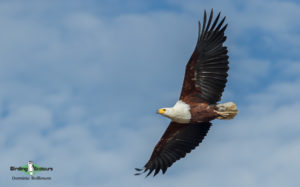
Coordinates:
column 176, row 142
column 206, row 72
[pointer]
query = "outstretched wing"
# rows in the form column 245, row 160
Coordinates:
column 176, row 142
column 206, row 72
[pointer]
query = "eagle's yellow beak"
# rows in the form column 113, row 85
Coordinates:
column 161, row 111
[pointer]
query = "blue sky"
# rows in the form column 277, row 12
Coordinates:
column 80, row 82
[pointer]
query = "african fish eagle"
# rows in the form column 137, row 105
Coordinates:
column 204, row 81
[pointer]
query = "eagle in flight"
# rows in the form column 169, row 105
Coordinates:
column 204, row 81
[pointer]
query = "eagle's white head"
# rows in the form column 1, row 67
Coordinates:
column 180, row 112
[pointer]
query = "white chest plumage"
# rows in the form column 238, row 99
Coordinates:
column 180, row 112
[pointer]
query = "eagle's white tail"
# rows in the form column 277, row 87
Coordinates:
column 226, row 110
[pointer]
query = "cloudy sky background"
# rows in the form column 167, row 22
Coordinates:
column 80, row 82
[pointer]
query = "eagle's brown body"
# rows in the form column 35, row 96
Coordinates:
column 203, row 85
column 202, row 112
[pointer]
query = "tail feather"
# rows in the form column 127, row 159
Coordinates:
column 226, row 110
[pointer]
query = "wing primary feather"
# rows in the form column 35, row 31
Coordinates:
column 199, row 31
column 159, row 166
column 224, row 28
column 204, row 24
column 215, row 22
column 220, row 24
column 150, row 171
column 140, row 171
column 208, row 24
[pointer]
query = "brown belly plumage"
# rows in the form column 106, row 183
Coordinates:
column 202, row 112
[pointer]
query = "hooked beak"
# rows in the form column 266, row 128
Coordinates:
column 161, row 111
